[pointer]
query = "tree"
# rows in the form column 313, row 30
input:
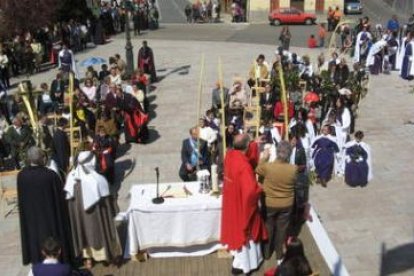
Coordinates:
column 27, row 15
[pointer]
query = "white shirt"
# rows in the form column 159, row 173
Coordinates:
column 90, row 92
column 208, row 134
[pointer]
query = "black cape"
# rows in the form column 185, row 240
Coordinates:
column 43, row 213
column 61, row 150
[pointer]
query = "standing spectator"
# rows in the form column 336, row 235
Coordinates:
column 393, row 25
column 4, row 109
column 67, row 60
column 44, row 101
column 104, row 149
column 121, row 64
column 188, row 13
column 242, row 227
column 57, row 89
column 28, row 59
column 285, row 37
column 336, row 17
column 146, row 61
column 322, row 35
column 137, row 23
column 61, row 147
column 330, row 19
column 4, row 69
column 43, row 211
column 279, row 189
column 216, row 97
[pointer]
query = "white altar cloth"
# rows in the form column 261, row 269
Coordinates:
column 187, row 226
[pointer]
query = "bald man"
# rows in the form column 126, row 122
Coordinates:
column 242, row 228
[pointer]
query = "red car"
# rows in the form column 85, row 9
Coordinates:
column 291, row 15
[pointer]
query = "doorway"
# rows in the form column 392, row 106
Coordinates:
column 299, row 4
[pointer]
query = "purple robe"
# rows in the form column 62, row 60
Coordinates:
column 356, row 171
column 324, row 157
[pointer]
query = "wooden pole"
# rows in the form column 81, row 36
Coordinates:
column 200, row 92
column 257, row 78
column 30, row 110
column 284, row 101
column 71, row 138
column 223, row 110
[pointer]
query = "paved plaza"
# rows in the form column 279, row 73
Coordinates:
column 368, row 226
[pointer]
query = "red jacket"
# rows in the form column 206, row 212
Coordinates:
column 241, row 220
column 312, row 43
column 278, row 111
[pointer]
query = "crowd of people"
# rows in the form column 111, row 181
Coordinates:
column 303, row 136
column 203, row 12
column 309, row 138
column 74, row 173
column 26, row 51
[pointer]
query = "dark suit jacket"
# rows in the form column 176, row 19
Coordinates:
column 187, row 150
column 61, row 150
column 216, row 98
column 57, row 86
column 270, row 100
column 15, row 139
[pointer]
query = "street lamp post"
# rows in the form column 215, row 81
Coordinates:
column 129, row 55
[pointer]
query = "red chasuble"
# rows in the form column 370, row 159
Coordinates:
column 240, row 220
column 253, row 154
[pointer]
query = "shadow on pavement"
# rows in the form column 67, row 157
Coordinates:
column 122, row 149
column 182, row 70
column 153, row 136
column 396, row 260
column 122, row 170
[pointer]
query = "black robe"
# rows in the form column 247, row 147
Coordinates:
column 61, row 150
column 43, row 213
column 146, row 62
column 135, row 120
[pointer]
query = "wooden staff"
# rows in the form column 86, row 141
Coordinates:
column 332, row 41
column 200, row 92
column 257, row 77
column 223, row 111
column 30, row 110
column 71, row 138
column 284, row 101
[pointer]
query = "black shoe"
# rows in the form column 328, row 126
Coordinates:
column 236, row 271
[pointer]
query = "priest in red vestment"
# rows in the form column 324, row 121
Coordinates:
column 242, row 228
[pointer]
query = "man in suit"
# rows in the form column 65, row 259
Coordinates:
column 267, row 103
column 192, row 155
column 20, row 139
column 57, row 89
column 216, row 97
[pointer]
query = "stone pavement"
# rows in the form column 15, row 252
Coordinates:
column 373, row 227
column 358, row 221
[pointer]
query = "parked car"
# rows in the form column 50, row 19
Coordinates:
column 291, row 15
column 352, row 7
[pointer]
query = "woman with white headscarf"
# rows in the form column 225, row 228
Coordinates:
column 91, row 211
